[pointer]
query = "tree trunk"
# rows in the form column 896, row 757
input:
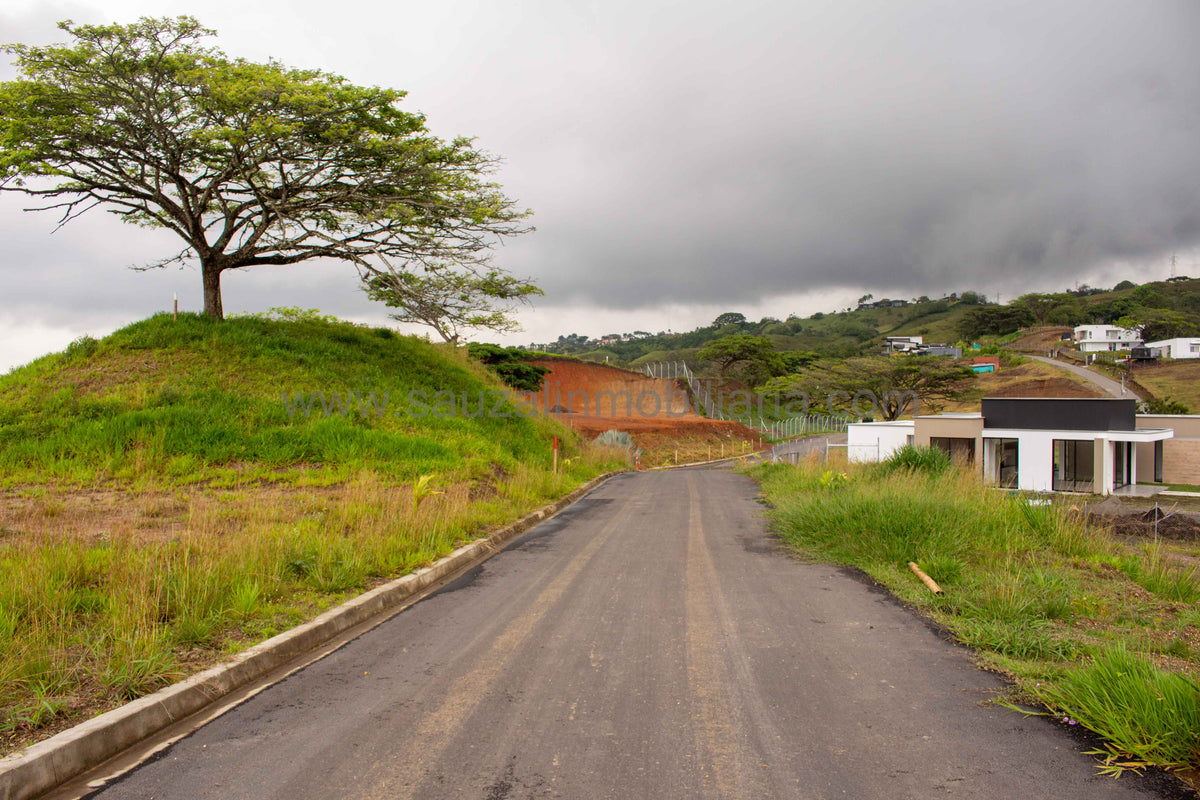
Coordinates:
column 212, row 291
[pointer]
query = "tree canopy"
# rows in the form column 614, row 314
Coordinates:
column 451, row 300
column 753, row 359
column 248, row 163
column 892, row 385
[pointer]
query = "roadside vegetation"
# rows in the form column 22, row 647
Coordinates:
column 161, row 507
column 1100, row 632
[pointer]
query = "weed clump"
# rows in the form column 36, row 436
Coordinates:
column 1144, row 712
column 929, row 460
column 615, row 438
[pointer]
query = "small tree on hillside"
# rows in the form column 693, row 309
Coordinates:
column 451, row 300
column 250, row 164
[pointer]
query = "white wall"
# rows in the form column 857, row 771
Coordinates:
column 1035, row 461
column 1179, row 348
column 875, row 441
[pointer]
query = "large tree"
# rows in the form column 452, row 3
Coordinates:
column 452, row 299
column 752, row 359
column 250, row 164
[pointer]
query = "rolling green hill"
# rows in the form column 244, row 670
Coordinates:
column 300, row 400
column 185, row 488
column 1164, row 308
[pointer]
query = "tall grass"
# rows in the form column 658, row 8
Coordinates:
column 307, row 508
column 1146, row 714
column 110, row 620
column 1033, row 588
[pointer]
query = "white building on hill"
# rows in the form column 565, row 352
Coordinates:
column 1105, row 338
column 1177, row 348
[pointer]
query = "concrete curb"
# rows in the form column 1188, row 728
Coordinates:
column 50, row 763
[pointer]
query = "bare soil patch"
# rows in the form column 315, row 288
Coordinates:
column 657, row 413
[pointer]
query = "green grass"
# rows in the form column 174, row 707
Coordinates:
column 234, row 520
column 193, row 399
column 1036, row 592
column 1147, row 716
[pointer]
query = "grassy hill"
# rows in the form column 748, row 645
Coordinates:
column 192, row 399
column 1166, row 308
column 162, row 503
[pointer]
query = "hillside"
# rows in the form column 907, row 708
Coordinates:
column 193, row 400
column 161, row 506
column 1029, row 379
column 1165, row 308
column 1179, row 381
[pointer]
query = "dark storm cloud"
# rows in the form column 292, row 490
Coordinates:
column 713, row 153
column 948, row 146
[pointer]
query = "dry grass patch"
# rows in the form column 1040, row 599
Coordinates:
column 1030, row 379
column 1179, row 380
column 105, row 595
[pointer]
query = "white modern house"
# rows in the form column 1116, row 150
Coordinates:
column 1105, row 338
column 1036, row 444
column 903, row 344
column 1176, row 348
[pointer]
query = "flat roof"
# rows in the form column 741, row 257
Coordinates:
column 1139, row 435
column 953, row 415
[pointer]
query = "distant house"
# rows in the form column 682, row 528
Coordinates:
column 902, row 344
column 937, row 350
column 863, row 305
column 1177, row 348
column 1105, row 338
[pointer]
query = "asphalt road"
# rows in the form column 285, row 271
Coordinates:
column 651, row 641
column 1102, row 382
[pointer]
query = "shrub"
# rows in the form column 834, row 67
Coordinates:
column 929, row 460
column 1166, row 405
column 615, row 438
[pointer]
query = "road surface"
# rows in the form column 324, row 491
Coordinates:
column 652, row 641
column 1103, row 382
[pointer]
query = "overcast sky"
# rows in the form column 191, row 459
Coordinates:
column 684, row 159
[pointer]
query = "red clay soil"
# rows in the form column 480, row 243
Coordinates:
column 594, row 398
column 595, row 390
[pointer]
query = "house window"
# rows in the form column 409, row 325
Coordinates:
column 961, row 450
column 1074, row 463
column 1196, row 347
column 1112, row 334
column 1009, row 453
column 1122, row 464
